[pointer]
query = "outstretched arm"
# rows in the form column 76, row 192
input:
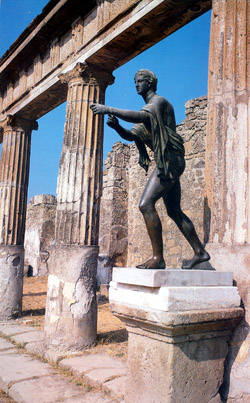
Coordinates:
column 124, row 133
column 128, row 116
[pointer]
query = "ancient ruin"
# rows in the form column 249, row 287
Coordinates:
column 73, row 58
column 39, row 234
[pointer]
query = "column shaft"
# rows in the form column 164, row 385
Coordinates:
column 80, row 172
column 14, row 176
column 227, row 187
column 227, row 152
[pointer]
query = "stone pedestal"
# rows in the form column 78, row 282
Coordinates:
column 178, row 323
column 71, row 310
column 11, row 280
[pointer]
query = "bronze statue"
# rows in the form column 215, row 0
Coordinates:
column 155, row 126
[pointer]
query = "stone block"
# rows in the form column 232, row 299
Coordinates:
column 171, row 278
column 90, row 397
column 162, row 371
column 46, row 389
column 99, row 370
column 16, row 368
column 29, row 337
column 36, row 347
column 116, row 387
column 11, row 330
column 88, row 364
column 5, row 345
column 175, row 298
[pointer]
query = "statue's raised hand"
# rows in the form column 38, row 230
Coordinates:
column 112, row 122
column 98, row 109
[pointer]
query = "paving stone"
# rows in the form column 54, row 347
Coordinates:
column 116, row 387
column 7, row 352
column 34, row 336
column 101, row 375
column 55, row 356
column 10, row 330
column 17, row 367
column 90, row 397
column 36, row 347
column 86, row 363
column 48, row 389
column 5, row 345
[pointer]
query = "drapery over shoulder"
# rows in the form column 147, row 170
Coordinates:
column 162, row 140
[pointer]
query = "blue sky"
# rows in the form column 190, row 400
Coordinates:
column 180, row 62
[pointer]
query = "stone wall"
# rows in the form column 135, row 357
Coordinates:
column 39, row 234
column 113, row 237
column 130, row 245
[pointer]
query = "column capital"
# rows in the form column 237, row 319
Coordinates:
column 89, row 74
column 16, row 122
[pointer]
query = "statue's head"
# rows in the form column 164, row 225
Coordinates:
column 149, row 76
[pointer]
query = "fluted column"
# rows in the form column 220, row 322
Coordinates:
column 227, row 184
column 14, row 177
column 228, row 148
column 71, row 312
column 80, row 171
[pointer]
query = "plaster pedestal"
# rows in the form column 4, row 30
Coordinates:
column 71, row 309
column 11, row 281
column 179, row 323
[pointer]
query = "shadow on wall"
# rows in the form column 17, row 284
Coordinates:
column 206, row 221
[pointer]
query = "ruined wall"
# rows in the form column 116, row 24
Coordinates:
column 39, row 234
column 113, row 237
column 129, row 173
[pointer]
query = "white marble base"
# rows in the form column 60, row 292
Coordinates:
column 173, row 290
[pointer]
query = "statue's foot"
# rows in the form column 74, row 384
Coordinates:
column 189, row 264
column 153, row 263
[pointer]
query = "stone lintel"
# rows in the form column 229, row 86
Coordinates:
column 171, row 277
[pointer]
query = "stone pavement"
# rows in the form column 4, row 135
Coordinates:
column 31, row 374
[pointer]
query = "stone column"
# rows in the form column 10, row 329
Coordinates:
column 72, row 278
column 178, row 324
column 227, row 171
column 228, row 131
column 14, row 177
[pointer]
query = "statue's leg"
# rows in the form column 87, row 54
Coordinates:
column 154, row 190
column 172, row 200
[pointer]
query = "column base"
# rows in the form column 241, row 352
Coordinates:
column 71, row 309
column 11, row 281
column 174, row 355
